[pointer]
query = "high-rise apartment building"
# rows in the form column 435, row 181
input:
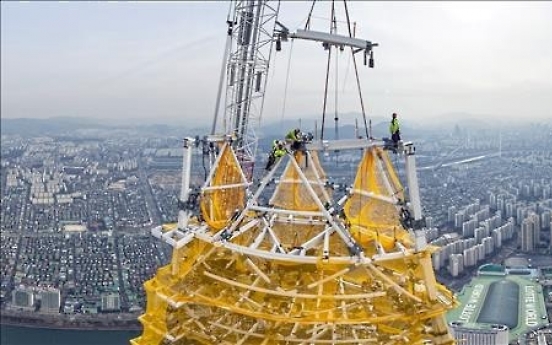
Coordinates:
column 22, row 297
column 537, row 223
column 50, row 300
column 110, row 302
column 530, row 233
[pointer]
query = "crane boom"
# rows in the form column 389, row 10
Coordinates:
column 250, row 31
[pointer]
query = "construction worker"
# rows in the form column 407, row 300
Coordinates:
column 278, row 151
column 294, row 137
column 395, row 130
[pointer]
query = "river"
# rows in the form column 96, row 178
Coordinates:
column 12, row 335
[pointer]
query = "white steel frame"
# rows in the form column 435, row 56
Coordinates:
column 271, row 215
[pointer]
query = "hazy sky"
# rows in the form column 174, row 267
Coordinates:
column 161, row 60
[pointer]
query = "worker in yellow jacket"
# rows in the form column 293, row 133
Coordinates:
column 278, row 151
column 395, row 130
column 294, row 138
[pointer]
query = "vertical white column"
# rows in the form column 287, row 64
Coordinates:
column 183, row 213
column 412, row 180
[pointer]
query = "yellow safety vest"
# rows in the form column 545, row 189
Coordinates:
column 394, row 126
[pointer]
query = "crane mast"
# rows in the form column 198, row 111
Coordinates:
column 249, row 47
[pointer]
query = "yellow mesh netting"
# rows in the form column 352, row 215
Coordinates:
column 291, row 193
column 369, row 217
column 225, row 299
column 294, row 235
column 219, row 295
column 219, row 205
column 155, row 315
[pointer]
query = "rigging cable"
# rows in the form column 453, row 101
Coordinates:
column 273, row 59
column 222, row 68
column 336, row 117
column 336, row 91
column 356, row 74
column 229, row 94
column 307, row 23
column 329, row 47
column 222, row 74
column 286, row 85
column 347, row 70
column 230, row 22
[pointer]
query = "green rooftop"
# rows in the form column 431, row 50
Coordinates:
column 491, row 268
column 512, row 300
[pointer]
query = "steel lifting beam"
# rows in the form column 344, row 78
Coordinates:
column 333, row 39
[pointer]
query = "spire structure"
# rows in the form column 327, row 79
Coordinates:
column 302, row 269
column 292, row 258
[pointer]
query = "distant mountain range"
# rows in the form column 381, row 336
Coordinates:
column 445, row 123
column 54, row 125
column 66, row 126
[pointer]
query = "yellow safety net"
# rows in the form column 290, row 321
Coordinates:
column 226, row 193
column 218, row 296
column 247, row 290
column 370, row 212
column 292, row 193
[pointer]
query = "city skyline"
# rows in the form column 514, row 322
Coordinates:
column 144, row 60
